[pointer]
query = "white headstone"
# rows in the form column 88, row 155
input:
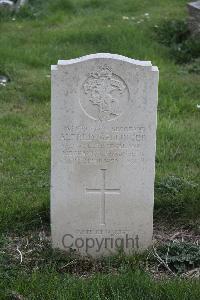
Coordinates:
column 104, row 110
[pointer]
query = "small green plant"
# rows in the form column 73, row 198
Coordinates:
column 175, row 196
column 180, row 256
column 194, row 67
column 94, row 4
column 27, row 12
column 172, row 32
column 64, row 5
column 5, row 14
column 176, row 35
column 172, row 185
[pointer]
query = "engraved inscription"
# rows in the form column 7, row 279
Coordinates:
column 104, row 95
column 96, row 145
column 103, row 191
column 110, row 232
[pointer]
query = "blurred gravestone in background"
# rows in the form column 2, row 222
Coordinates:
column 194, row 17
column 7, row 5
column 4, row 80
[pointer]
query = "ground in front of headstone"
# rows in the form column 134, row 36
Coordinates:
column 167, row 258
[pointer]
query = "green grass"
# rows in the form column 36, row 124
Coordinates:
column 49, row 274
column 42, row 33
column 130, row 285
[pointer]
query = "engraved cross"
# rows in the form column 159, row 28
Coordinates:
column 103, row 191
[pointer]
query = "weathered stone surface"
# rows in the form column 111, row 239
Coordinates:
column 194, row 17
column 12, row 5
column 3, row 80
column 104, row 111
column 6, row 4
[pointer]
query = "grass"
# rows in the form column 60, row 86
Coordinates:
column 48, row 285
column 42, row 33
column 49, row 274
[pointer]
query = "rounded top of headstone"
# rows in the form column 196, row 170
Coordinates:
column 105, row 56
column 195, row 4
column 6, row 3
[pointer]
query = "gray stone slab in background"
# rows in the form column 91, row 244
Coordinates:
column 194, row 17
column 6, row 5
